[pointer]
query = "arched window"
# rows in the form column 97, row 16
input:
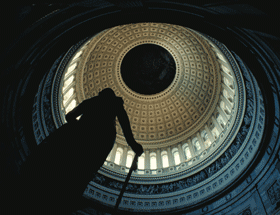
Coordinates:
column 67, row 82
column 221, row 57
column 228, row 83
column 205, row 138
column 67, row 95
column 211, row 44
column 129, row 159
column 215, row 132
column 141, row 162
column 196, row 144
column 204, row 135
column 77, row 55
column 118, row 156
column 164, row 158
column 153, row 161
column 221, row 120
column 176, row 156
column 225, row 69
column 226, row 95
column 187, row 152
column 224, row 108
column 71, row 106
column 70, row 69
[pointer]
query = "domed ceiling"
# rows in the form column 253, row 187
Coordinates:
column 186, row 79
column 185, row 97
column 180, row 93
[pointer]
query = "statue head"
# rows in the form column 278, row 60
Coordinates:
column 107, row 92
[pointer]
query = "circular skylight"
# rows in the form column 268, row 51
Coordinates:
column 148, row 69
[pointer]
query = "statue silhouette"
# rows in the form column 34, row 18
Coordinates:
column 54, row 177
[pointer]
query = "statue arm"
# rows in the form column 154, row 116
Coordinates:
column 77, row 111
column 124, row 122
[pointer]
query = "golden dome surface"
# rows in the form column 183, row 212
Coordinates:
column 177, row 112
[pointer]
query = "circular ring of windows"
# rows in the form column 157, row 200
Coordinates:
column 189, row 153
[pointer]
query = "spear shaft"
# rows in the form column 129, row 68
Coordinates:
column 133, row 167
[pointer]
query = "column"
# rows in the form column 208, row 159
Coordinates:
column 170, row 157
column 210, row 135
column 159, row 160
column 181, row 153
column 124, row 156
column 113, row 153
column 218, row 126
column 147, row 159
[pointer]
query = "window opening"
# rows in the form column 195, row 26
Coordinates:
column 77, row 55
column 225, row 69
column 228, row 83
column 221, row 121
column 176, row 156
column 129, row 158
column 67, row 95
column 226, row 95
column 153, row 161
column 187, row 153
column 71, row 106
column 215, row 132
column 141, row 162
column 118, row 156
column 221, row 57
column 70, row 69
column 164, row 158
column 68, row 82
column 196, row 144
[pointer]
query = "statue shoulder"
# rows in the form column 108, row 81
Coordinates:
column 120, row 100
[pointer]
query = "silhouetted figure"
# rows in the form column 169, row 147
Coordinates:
column 54, row 177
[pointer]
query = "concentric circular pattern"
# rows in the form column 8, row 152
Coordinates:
column 148, row 69
column 176, row 112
